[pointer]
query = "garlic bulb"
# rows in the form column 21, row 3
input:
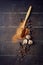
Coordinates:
column 30, row 42
column 28, row 37
column 24, row 41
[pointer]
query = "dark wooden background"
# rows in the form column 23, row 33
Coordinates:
column 11, row 13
